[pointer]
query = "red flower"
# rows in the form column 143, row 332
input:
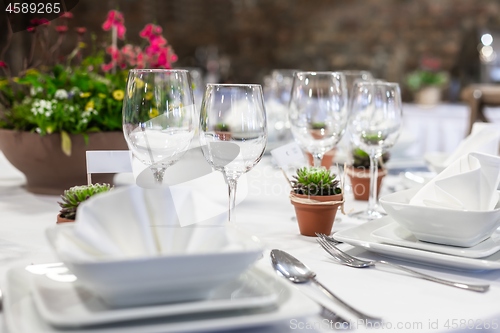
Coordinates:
column 31, row 29
column 36, row 22
column 3, row 64
column 107, row 67
column 66, row 15
column 62, row 29
column 81, row 30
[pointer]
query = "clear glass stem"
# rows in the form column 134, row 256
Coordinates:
column 372, row 199
column 158, row 173
column 231, row 185
column 317, row 158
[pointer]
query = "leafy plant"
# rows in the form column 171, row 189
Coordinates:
column 73, row 94
column 75, row 195
column 221, row 127
column 360, row 159
column 424, row 78
column 315, row 181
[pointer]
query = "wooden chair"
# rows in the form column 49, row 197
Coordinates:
column 478, row 96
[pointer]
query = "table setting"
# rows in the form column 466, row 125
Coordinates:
column 174, row 249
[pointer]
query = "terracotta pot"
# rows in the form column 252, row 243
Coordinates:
column 428, row 96
column 47, row 169
column 63, row 219
column 223, row 136
column 312, row 218
column 360, row 181
column 326, row 161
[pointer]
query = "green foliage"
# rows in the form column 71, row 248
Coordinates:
column 424, row 78
column 315, row 181
column 72, row 198
column 221, row 127
column 73, row 99
column 360, row 159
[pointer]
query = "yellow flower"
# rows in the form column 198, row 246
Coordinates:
column 4, row 83
column 84, row 94
column 15, row 79
column 101, row 95
column 153, row 112
column 139, row 83
column 118, row 95
column 89, row 106
column 32, row 71
column 49, row 129
column 82, row 45
column 149, row 95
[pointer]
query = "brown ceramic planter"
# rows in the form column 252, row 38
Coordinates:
column 360, row 181
column 314, row 219
column 62, row 219
column 223, row 136
column 47, row 169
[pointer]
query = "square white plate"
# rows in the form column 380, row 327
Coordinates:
column 66, row 303
column 395, row 234
column 21, row 314
column 362, row 236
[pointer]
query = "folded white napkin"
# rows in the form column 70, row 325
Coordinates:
column 470, row 183
column 134, row 222
column 484, row 138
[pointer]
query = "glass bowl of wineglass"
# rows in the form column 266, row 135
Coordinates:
column 374, row 126
column 233, row 131
column 158, row 117
column 318, row 111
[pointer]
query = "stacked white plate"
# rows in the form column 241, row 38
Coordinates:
column 48, row 298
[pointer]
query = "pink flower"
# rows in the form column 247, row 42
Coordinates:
column 107, row 67
column 147, row 31
column 67, row 15
column 31, row 29
column 3, row 64
column 115, row 19
column 43, row 21
column 81, row 30
column 62, row 29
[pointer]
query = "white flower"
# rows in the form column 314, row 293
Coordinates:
column 35, row 90
column 61, row 94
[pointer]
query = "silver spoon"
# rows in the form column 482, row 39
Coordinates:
column 295, row 271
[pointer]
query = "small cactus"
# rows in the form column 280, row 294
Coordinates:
column 315, row 181
column 72, row 198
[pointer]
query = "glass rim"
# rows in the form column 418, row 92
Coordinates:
column 376, row 83
column 157, row 70
column 319, row 72
column 228, row 85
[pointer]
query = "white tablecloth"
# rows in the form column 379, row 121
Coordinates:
column 406, row 303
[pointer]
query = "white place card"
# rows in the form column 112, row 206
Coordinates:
column 289, row 155
column 108, row 161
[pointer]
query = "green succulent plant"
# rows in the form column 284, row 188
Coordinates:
column 315, row 181
column 222, row 127
column 360, row 159
column 75, row 195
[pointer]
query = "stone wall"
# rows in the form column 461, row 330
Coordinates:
column 248, row 38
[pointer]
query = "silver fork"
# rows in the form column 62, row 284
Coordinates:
column 348, row 260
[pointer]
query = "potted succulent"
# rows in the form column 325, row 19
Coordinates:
column 74, row 196
column 316, row 197
column 359, row 173
column 60, row 105
column 317, row 132
column 223, row 132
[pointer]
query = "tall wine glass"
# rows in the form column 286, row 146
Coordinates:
column 374, row 125
column 158, row 117
column 233, row 131
column 318, row 111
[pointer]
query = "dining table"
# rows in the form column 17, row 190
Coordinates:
column 404, row 302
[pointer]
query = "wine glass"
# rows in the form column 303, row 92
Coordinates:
column 318, row 111
column 158, row 117
column 374, row 125
column 233, row 131
column 352, row 76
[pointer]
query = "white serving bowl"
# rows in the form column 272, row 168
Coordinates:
column 163, row 278
column 440, row 225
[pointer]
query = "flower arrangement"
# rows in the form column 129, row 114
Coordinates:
column 73, row 93
column 429, row 74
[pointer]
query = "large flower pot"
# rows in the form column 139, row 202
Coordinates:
column 47, row 169
column 315, row 214
column 360, row 181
